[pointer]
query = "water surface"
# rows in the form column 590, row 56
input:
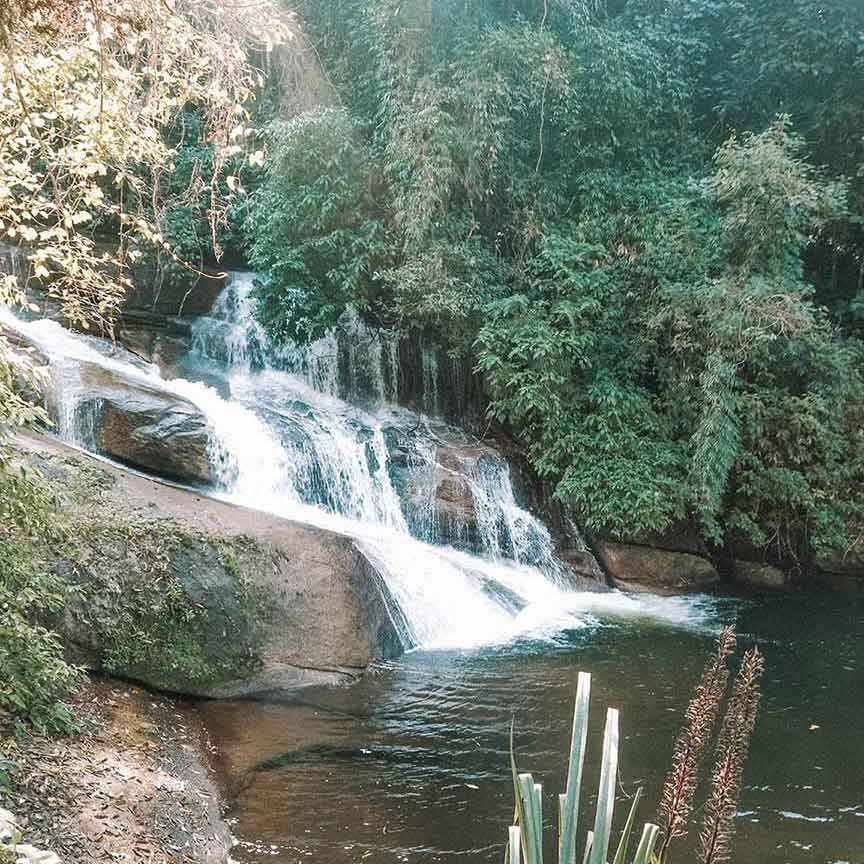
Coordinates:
column 411, row 764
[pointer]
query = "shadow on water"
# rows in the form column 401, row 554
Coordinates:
column 411, row 763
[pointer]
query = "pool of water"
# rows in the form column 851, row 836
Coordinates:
column 411, row 764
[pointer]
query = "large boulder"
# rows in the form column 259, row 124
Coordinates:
column 145, row 426
column 658, row 571
column 192, row 595
column 762, row 577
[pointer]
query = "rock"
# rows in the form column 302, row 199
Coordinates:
column 436, row 486
column 681, row 536
column 8, row 825
column 452, row 496
column 762, row 576
column 171, row 297
column 192, row 595
column 583, row 564
column 657, row 571
column 841, row 570
column 159, row 339
column 31, row 855
column 145, row 426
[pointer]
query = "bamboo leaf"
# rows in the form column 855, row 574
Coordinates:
column 645, row 850
column 589, row 842
column 578, row 739
column 532, row 843
column 515, row 845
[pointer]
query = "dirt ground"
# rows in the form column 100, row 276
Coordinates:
column 133, row 786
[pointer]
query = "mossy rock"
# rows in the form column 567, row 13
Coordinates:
column 656, row 571
column 193, row 595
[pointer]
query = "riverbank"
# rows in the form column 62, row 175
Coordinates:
column 134, row 785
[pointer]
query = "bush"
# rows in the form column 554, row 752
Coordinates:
column 36, row 678
column 318, row 234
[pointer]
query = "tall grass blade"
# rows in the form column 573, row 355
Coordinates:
column 518, row 815
column 606, row 794
column 578, row 739
column 532, row 838
column 562, row 803
column 589, row 842
column 628, row 827
column 538, row 814
column 515, row 845
column 645, row 850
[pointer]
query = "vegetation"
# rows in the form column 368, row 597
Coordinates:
column 116, row 120
column 641, row 221
column 525, row 841
column 36, row 678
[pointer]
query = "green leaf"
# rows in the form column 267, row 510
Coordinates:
column 606, row 794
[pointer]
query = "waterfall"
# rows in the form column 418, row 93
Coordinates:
column 506, row 529
column 281, row 440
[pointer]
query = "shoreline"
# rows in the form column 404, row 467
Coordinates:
column 136, row 784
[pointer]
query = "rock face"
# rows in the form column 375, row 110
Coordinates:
column 658, row 571
column 159, row 339
column 192, row 595
column 145, row 427
column 153, row 294
column 453, row 502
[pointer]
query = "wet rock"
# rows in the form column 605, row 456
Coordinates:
column 158, row 339
column 453, row 501
column 681, row 536
column 657, row 571
column 144, row 426
column 583, row 564
column 435, row 483
column 754, row 574
column 192, row 595
column 151, row 293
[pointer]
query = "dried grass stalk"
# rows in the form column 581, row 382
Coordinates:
column 719, row 822
column 700, row 719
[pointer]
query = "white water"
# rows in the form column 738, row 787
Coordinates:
column 284, row 443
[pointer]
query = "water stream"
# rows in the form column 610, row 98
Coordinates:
column 411, row 766
column 282, row 441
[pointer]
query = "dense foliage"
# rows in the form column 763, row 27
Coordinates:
column 642, row 220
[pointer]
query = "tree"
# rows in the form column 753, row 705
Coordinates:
column 89, row 93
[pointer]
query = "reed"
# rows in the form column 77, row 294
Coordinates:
column 718, row 824
column 699, row 721
column 525, row 836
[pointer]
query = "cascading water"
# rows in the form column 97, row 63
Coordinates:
column 282, row 441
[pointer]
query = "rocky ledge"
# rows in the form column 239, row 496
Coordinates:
column 192, row 595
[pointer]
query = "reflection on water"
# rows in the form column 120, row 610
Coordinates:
column 411, row 764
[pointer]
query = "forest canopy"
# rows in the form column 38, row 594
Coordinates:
column 640, row 221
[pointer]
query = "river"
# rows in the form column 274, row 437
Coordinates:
column 411, row 764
